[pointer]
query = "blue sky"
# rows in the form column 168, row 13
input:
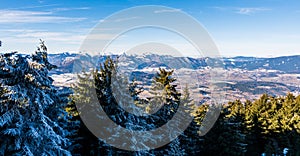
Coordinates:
column 239, row 27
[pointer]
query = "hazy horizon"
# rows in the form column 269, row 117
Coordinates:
column 222, row 56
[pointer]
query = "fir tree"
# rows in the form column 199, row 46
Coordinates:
column 31, row 111
column 165, row 98
column 109, row 85
column 190, row 140
column 84, row 142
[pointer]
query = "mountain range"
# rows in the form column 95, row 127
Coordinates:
column 66, row 61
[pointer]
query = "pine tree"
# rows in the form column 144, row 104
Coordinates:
column 165, row 98
column 100, row 82
column 32, row 115
column 135, row 89
column 83, row 141
column 110, row 84
column 224, row 138
column 270, row 124
column 235, row 119
column 190, row 140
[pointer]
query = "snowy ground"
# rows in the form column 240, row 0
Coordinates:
column 64, row 80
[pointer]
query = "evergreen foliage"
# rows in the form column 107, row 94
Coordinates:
column 109, row 86
column 37, row 118
column 84, row 142
column 266, row 125
column 31, row 108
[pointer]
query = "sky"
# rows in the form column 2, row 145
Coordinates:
column 260, row 28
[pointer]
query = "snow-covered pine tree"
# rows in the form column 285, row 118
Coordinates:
column 31, row 108
column 108, row 83
column 190, row 140
column 84, row 142
column 165, row 97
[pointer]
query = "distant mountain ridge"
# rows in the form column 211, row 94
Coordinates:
column 65, row 62
column 287, row 64
column 245, row 77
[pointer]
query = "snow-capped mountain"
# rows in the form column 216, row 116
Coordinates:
column 286, row 64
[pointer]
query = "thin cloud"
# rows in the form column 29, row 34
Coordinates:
column 49, row 36
column 19, row 30
column 101, row 36
column 24, row 40
column 249, row 11
column 167, row 11
column 20, row 16
column 70, row 9
column 126, row 19
column 242, row 10
column 33, row 7
column 220, row 8
column 118, row 19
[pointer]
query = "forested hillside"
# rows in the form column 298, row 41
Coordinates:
column 38, row 118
